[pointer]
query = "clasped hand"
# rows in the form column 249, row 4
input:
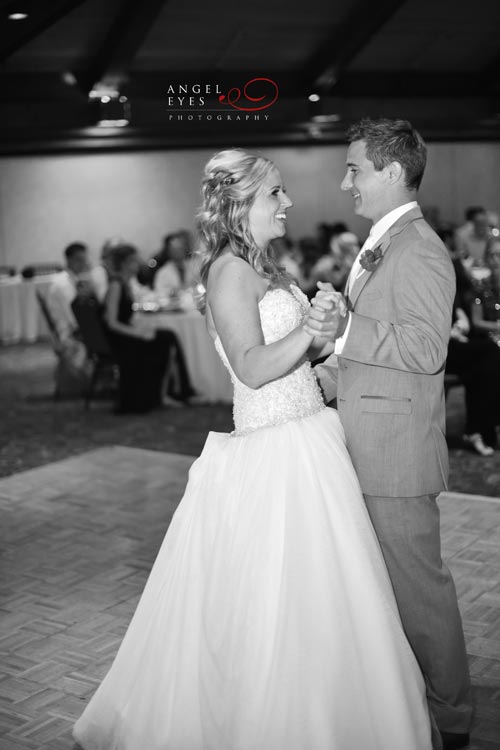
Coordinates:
column 327, row 315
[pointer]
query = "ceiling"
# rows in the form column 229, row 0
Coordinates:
column 436, row 62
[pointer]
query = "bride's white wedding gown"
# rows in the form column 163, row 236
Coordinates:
column 268, row 621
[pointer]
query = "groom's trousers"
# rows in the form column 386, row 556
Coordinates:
column 408, row 530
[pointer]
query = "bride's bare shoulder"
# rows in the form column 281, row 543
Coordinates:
column 232, row 285
column 229, row 272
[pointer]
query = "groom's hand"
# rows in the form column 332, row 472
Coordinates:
column 327, row 316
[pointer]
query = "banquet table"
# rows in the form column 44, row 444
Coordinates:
column 208, row 375
column 20, row 316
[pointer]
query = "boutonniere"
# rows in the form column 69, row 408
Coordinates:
column 369, row 258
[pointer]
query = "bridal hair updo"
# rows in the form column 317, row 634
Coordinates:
column 231, row 181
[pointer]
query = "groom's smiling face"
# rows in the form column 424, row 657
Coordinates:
column 367, row 186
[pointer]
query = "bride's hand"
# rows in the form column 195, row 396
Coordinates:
column 327, row 298
column 327, row 315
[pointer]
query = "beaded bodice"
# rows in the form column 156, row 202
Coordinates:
column 292, row 396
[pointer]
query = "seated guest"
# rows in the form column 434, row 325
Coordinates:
column 326, row 233
column 179, row 270
column 476, row 360
column 486, row 310
column 101, row 273
column 73, row 281
column 287, row 257
column 310, row 250
column 147, row 271
column 336, row 265
column 143, row 354
column 493, row 223
column 471, row 238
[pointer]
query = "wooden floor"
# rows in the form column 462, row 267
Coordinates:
column 79, row 537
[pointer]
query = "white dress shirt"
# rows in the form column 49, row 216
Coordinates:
column 60, row 295
column 376, row 233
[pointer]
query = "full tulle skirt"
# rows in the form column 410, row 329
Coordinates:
column 268, row 621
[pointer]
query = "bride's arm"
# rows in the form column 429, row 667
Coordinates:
column 320, row 348
column 233, row 294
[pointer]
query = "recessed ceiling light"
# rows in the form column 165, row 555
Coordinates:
column 17, row 16
column 69, row 78
column 314, row 97
column 119, row 123
column 327, row 118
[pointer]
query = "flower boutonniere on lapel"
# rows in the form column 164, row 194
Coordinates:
column 369, row 258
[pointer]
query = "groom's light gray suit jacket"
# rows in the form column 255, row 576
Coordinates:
column 389, row 378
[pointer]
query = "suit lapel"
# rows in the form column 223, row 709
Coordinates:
column 384, row 244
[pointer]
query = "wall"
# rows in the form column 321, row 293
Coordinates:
column 48, row 201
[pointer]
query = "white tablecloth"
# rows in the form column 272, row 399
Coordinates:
column 208, row 375
column 20, row 317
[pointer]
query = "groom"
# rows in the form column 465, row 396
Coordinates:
column 387, row 376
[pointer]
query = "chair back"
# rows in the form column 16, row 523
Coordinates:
column 48, row 318
column 87, row 312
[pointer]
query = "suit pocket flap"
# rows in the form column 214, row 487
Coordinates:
column 385, row 405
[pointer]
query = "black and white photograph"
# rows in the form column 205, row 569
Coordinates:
column 249, row 375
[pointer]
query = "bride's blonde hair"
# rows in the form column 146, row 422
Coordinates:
column 231, row 181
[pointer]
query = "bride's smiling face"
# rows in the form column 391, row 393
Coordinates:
column 267, row 214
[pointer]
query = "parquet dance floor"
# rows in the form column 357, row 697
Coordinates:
column 78, row 539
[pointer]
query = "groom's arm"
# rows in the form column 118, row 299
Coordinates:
column 423, row 294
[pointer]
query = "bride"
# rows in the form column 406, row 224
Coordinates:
column 268, row 621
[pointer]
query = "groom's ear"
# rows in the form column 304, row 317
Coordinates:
column 395, row 172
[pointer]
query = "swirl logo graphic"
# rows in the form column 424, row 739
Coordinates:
column 258, row 94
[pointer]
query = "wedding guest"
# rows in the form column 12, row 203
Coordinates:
column 494, row 223
column 179, row 270
column 147, row 272
column 143, row 354
column 61, row 293
column 327, row 232
column 471, row 238
column 335, row 266
column 287, row 257
column 476, row 360
column 486, row 310
column 100, row 274
column 310, row 250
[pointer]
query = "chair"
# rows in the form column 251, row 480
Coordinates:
column 55, row 340
column 88, row 316
column 40, row 269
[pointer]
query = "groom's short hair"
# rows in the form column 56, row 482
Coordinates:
column 392, row 140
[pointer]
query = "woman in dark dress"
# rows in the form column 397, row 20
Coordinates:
column 143, row 354
column 475, row 358
column 486, row 310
